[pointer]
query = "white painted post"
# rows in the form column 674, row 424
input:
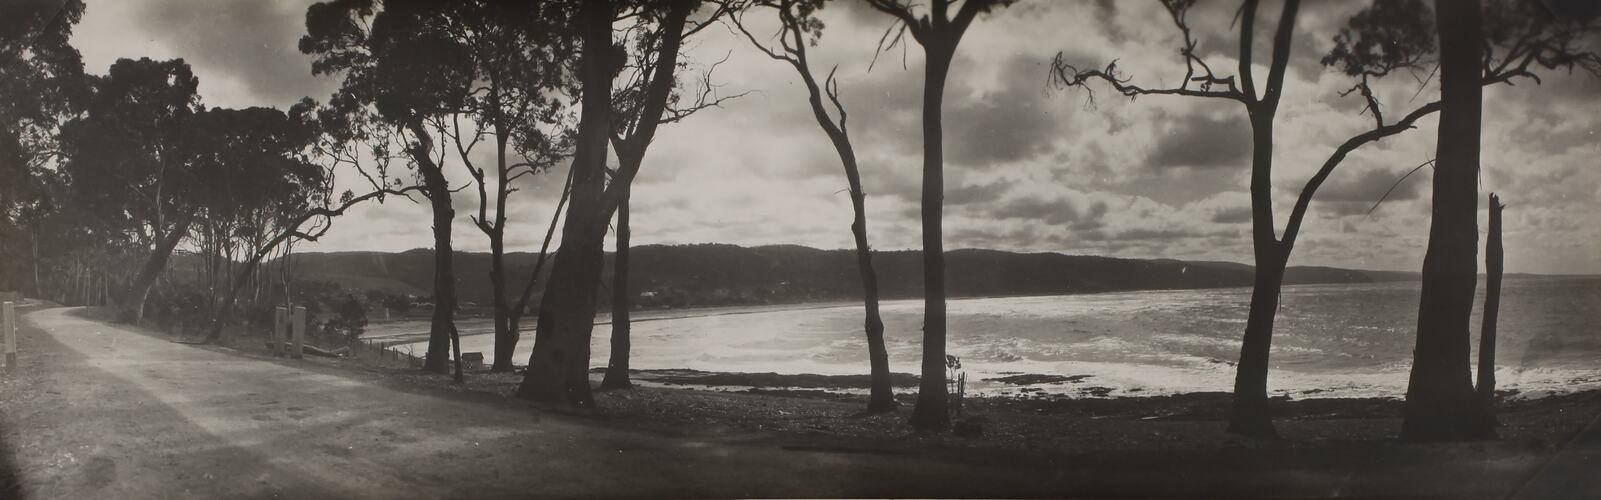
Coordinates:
column 280, row 320
column 298, row 333
column 11, row 334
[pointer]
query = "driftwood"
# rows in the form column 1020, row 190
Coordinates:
column 316, row 351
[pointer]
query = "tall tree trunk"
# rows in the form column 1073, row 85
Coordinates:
column 882, row 395
column 1250, row 414
column 1493, row 257
column 437, row 189
column 559, row 365
column 617, row 368
column 505, row 337
column 443, row 328
column 505, row 334
column 931, row 412
column 504, row 357
column 134, row 301
column 1440, row 404
column 33, row 241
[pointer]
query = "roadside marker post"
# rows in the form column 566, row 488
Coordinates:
column 297, row 333
column 279, row 321
column 11, row 334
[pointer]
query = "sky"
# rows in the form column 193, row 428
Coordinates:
column 1029, row 167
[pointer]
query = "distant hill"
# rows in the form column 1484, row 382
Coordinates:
column 719, row 274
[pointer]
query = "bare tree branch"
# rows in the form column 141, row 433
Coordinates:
column 1292, row 228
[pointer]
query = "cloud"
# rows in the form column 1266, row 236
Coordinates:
column 1203, row 141
column 1048, row 211
column 1028, row 168
column 1369, row 185
column 1012, row 123
column 252, row 43
column 1233, row 215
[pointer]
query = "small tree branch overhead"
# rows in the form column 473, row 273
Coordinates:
column 1065, row 75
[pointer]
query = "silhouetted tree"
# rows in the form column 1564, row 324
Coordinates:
column 517, row 55
column 558, row 367
column 1250, row 415
column 1379, row 40
column 649, row 93
column 1493, row 259
column 255, row 179
column 414, row 77
column 316, row 145
column 616, row 376
column 939, row 33
column 1440, row 402
column 1515, row 39
column 41, row 84
column 126, row 161
column 798, row 28
column 1507, row 39
column 517, row 312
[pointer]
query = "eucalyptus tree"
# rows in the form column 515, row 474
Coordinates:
column 41, row 84
column 939, row 31
column 646, row 94
column 301, row 155
column 125, row 159
column 413, row 77
column 1498, row 42
column 559, row 365
column 1378, row 41
column 258, row 177
column 798, row 29
column 517, row 54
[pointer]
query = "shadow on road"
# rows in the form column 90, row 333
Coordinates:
column 10, row 476
column 72, row 430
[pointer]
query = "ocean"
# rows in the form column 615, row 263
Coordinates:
column 1344, row 340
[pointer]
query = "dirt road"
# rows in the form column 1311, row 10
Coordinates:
column 100, row 411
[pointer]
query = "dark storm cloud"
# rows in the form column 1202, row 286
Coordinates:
column 253, row 41
column 1010, row 124
column 1202, row 140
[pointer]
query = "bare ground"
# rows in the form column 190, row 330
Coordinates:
column 107, row 411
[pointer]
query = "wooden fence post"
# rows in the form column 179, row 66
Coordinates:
column 298, row 333
column 10, row 327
